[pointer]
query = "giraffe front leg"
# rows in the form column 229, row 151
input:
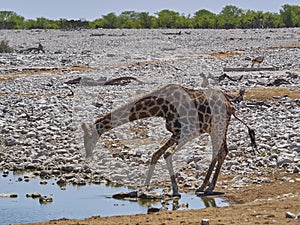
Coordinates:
column 155, row 158
column 168, row 158
column 149, row 175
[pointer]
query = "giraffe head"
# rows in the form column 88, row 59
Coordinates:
column 90, row 137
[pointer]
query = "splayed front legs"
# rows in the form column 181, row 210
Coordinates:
column 167, row 150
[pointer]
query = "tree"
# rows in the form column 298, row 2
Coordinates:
column 98, row 23
column 110, row 21
column 10, row 20
column 257, row 20
column 286, row 15
column 127, row 19
column 204, row 19
column 290, row 15
column 145, row 20
column 229, row 17
column 167, row 19
column 271, row 20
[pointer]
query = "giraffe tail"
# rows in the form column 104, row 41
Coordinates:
column 251, row 133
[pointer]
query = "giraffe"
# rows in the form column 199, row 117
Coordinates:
column 188, row 113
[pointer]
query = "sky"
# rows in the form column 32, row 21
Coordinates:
column 93, row 9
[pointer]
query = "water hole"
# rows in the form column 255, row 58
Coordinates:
column 79, row 202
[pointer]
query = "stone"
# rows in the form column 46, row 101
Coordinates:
column 33, row 195
column 43, row 182
column 123, row 195
column 296, row 169
column 45, row 199
column 204, row 222
column 61, row 182
column 79, row 182
column 5, row 173
column 30, row 166
column 45, row 174
column 284, row 161
column 67, row 168
column 11, row 195
column 118, row 177
column 30, row 134
column 10, row 142
column 153, row 210
column 149, row 195
column 290, row 215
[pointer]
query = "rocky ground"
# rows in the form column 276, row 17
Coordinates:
column 40, row 114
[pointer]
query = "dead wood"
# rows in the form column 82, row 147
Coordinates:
column 248, row 69
column 224, row 75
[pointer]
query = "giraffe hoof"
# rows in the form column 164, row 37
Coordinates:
column 208, row 192
column 176, row 195
column 199, row 191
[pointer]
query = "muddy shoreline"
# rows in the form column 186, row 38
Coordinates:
column 40, row 113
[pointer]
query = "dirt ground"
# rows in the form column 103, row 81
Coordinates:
column 255, row 203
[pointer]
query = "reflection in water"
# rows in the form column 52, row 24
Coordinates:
column 79, row 202
column 209, row 202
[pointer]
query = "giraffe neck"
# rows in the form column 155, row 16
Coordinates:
column 146, row 107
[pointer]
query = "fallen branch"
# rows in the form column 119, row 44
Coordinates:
column 122, row 81
column 91, row 82
column 39, row 49
column 224, row 75
column 248, row 69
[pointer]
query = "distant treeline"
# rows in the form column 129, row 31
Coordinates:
column 229, row 18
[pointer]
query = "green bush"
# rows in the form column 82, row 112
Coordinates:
column 4, row 47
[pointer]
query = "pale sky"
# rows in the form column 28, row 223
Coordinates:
column 93, row 9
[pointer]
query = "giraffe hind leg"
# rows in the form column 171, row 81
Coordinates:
column 208, row 175
column 221, row 158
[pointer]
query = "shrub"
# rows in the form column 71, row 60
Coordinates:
column 4, row 47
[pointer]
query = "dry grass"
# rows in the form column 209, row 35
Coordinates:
column 269, row 93
column 223, row 54
column 28, row 95
column 33, row 71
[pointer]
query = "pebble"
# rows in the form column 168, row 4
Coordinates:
column 45, row 199
column 290, row 215
column 11, row 195
column 42, row 132
column 33, row 195
column 204, row 222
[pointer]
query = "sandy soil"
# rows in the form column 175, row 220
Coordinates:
column 256, row 202
column 264, row 203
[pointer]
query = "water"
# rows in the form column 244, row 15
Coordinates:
column 76, row 202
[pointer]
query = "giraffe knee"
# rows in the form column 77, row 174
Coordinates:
column 167, row 154
column 155, row 158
